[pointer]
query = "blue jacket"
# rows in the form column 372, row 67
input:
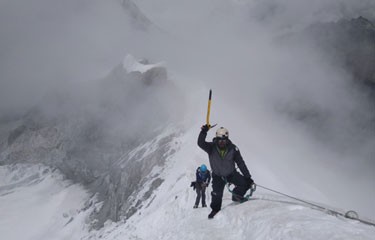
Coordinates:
column 203, row 177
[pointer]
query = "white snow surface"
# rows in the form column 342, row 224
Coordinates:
column 130, row 64
column 169, row 214
column 36, row 203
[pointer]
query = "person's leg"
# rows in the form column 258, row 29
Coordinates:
column 198, row 189
column 241, row 186
column 218, row 185
column 204, row 196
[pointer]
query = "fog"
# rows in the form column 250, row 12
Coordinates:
column 301, row 124
column 299, row 120
column 45, row 44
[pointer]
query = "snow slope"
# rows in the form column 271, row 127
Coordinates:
column 39, row 201
column 36, row 203
column 45, row 206
column 169, row 213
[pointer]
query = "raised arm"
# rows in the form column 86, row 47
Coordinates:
column 206, row 146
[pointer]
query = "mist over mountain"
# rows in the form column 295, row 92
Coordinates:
column 92, row 137
column 104, row 91
column 50, row 44
column 347, row 45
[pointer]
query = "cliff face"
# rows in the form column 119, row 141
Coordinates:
column 110, row 135
column 352, row 43
column 343, row 118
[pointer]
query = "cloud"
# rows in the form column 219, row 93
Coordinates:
column 45, row 44
column 287, row 105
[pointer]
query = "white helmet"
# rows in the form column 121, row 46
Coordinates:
column 222, row 133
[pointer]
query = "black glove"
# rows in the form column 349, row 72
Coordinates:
column 205, row 128
column 250, row 181
column 193, row 185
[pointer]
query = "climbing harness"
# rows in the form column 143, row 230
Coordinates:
column 246, row 197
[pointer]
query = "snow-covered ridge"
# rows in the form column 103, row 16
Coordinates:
column 110, row 139
column 142, row 176
column 163, row 204
column 131, row 64
column 170, row 214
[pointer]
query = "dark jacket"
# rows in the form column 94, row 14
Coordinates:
column 223, row 166
column 203, row 177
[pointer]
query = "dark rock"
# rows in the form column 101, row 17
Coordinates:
column 350, row 42
column 108, row 137
column 16, row 133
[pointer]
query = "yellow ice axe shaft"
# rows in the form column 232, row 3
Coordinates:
column 209, row 109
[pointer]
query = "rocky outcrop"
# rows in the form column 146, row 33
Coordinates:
column 110, row 135
column 344, row 120
column 352, row 43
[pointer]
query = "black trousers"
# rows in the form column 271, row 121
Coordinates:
column 218, row 184
column 201, row 192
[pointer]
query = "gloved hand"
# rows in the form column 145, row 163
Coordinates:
column 205, row 128
column 250, row 181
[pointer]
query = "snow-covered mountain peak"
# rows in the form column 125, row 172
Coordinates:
column 131, row 64
column 126, row 129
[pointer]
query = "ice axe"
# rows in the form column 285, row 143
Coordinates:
column 209, row 111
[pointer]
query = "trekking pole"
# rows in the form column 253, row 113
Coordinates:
column 209, row 111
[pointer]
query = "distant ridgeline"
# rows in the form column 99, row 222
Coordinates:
column 107, row 134
column 351, row 42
